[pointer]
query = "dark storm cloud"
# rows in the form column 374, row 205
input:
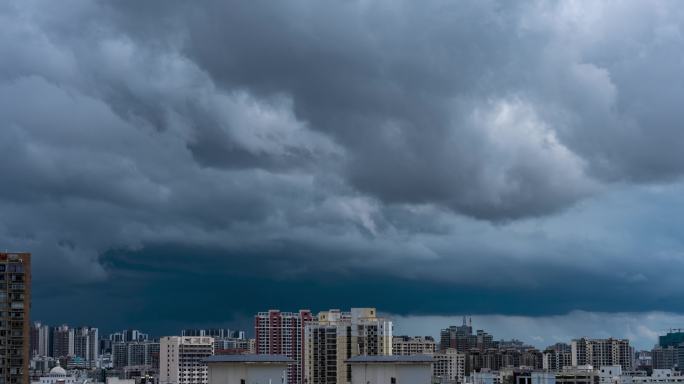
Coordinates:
column 475, row 150
column 493, row 110
column 210, row 290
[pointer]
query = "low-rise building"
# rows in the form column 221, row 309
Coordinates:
column 583, row 374
column 610, row 374
column 485, row 376
column 535, row 377
column 391, row 369
column 58, row 375
column 247, row 369
column 659, row 376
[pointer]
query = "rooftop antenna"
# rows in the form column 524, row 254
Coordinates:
column 471, row 321
column 464, row 320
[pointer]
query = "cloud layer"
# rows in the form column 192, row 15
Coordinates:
column 479, row 149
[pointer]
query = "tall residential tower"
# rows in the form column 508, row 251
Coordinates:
column 181, row 359
column 337, row 337
column 282, row 333
column 15, row 330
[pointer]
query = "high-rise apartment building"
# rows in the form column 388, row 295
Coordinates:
column 667, row 357
column 62, row 341
column 41, row 340
column 119, row 354
column 15, row 303
column 136, row 353
column 86, row 346
column 449, row 366
column 181, row 359
column 462, row 339
column 602, row 352
column 282, row 333
column 338, row 336
column 495, row 359
column 80, row 344
column 557, row 356
column 406, row 345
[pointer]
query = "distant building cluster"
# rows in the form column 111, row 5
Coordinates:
column 126, row 355
column 357, row 346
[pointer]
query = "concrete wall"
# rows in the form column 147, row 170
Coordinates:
column 252, row 373
column 377, row 373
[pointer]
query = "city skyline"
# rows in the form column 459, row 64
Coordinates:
column 549, row 330
column 171, row 164
column 323, row 348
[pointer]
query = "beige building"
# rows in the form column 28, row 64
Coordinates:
column 449, row 366
column 338, row 336
column 406, row 345
column 602, row 352
column 181, row 359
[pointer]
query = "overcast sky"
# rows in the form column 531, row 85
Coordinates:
column 174, row 163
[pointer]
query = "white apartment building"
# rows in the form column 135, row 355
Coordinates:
column 449, row 367
column 181, row 359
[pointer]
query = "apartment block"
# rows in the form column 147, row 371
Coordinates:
column 282, row 333
column 337, row 337
column 15, row 303
column 602, row 352
column 460, row 338
column 449, row 367
column 557, row 356
column 62, row 341
column 181, row 359
column 137, row 353
column 86, row 345
column 41, row 340
column 667, row 357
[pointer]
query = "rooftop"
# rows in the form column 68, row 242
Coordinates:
column 418, row 359
column 248, row 359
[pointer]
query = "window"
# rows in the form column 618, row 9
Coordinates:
column 393, row 380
